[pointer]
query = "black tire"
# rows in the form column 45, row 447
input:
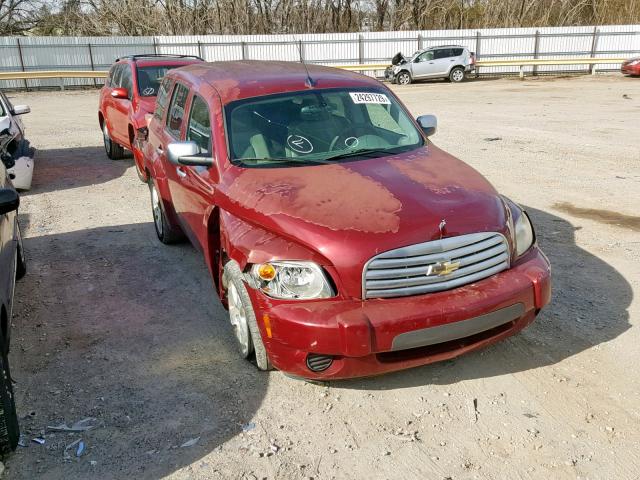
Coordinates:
column 403, row 78
column 232, row 273
column 21, row 261
column 9, row 428
column 167, row 232
column 456, row 75
column 112, row 149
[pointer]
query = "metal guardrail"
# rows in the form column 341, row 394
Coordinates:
column 520, row 63
column 62, row 74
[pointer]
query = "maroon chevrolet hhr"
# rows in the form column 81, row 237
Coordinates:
column 342, row 240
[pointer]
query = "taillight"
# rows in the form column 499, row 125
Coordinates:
column 472, row 60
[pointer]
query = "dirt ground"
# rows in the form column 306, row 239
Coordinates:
column 111, row 324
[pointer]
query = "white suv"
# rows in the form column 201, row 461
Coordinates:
column 452, row 62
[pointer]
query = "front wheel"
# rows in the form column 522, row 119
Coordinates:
column 243, row 318
column 166, row 232
column 456, row 75
column 112, row 149
column 403, row 78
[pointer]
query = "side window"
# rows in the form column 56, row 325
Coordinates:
column 126, row 80
column 115, row 78
column 457, row 52
column 161, row 99
column 426, row 56
column 442, row 53
column 107, row 80
column 199, row 129
column 176, row 109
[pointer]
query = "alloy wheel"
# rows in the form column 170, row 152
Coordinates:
column 157, row 209
column 238, row 318
column 106, row 139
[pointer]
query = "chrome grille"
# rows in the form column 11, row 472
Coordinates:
column 403, row 271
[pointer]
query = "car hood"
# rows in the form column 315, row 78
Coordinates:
column 351, row 211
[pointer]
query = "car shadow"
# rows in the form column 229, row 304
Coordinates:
column 589, row 306
column 110, row 324
column 62, row 168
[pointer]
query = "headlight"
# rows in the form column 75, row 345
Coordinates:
column 291, row 280
column 523, row 234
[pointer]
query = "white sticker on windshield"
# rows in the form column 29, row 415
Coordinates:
column 367, row 97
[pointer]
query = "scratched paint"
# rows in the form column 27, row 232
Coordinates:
column 332, row 196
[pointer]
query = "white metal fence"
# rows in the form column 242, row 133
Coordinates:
column 98, row 53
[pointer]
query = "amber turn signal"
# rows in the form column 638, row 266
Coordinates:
column 266, row 272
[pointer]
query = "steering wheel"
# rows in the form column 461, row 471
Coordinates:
column 349, row 139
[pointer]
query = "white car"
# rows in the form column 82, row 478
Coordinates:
column 19, row 159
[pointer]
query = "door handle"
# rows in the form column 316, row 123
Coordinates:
column 181, row 173
column 159, row 150
column 430, row 63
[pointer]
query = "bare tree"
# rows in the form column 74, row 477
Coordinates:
column 196, row 17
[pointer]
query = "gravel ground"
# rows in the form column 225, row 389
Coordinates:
column 112, row 325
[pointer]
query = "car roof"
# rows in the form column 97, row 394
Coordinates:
column 251, row 78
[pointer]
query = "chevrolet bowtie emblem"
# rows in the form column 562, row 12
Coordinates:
column 442, row 268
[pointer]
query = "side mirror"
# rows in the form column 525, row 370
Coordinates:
column 121, row 93
column 9, row 200
column 428, row 124
column 21, row 109
column 188, row 153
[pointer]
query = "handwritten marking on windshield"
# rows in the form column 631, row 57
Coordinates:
column 299, row 144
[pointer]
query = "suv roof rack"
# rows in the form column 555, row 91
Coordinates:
column 444, row 46
column 154, row 55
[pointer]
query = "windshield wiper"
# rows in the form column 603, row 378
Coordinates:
column 361, row 152
column 309, row 161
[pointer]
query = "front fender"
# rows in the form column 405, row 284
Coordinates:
column 249, row 243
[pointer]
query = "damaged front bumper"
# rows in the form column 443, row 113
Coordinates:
column 353, row 338
column 19, row 160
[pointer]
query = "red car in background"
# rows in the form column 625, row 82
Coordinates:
column 128, row 95
column 631, row 67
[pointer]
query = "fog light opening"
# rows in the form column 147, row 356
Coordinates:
column 318, row 363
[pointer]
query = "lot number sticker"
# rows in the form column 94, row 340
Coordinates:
column 366, row 97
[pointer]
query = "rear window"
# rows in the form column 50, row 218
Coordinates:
column 149, row 79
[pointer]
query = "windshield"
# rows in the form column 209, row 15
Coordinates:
column 149, row 79
column 317, row 126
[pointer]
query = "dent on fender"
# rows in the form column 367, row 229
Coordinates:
column 301, row 194
column 246, row 243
